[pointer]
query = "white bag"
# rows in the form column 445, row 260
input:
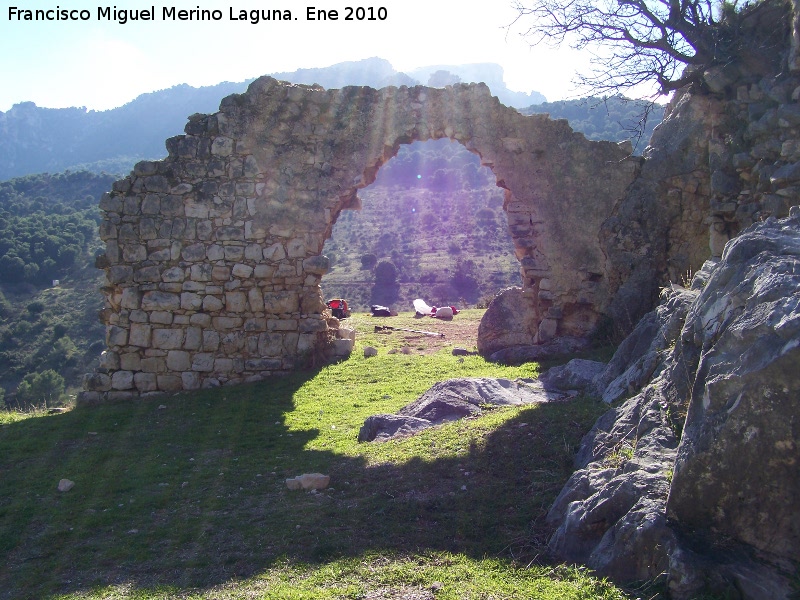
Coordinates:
column 422, row 308
column 445, row 312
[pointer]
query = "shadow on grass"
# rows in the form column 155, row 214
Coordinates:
column 188, row 492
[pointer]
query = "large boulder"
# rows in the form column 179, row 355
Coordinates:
column 610, row 515
column 641, row 356
column 510, row 320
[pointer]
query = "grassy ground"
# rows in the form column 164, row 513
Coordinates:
column 184, row 496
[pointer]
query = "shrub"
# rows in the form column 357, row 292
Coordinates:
column 36, row 307
column 43, row 388
column 386, row 273
column 368, row 261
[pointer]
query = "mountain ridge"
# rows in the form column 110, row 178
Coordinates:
column 36, row 139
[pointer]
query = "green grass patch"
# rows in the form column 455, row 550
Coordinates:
column 184, row 496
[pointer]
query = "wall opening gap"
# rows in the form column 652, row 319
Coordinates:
column 431, row 226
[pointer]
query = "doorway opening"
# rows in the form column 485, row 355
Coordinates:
column 431, row 226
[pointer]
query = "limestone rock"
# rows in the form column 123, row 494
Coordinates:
column 577, row 374
column 642, row 354
column 65, row 485
column 452, row 400
column 510, row 320
column 370, row 351
column 343, row 347
column 386, row 427
column 346, row 333
column 733, row 476
column 736, row 472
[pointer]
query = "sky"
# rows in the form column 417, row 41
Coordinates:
column 100, row 64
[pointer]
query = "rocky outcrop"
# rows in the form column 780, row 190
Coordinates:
column 641, row 356
column 736, row 474
column 709, row 502
column 610, row 514
column 577, row 374
column 455, row 399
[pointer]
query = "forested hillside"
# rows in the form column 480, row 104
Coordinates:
column 35, row 139
column 47, row 223
column 614, row 119
column 49, row 334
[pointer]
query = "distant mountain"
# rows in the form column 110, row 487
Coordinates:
column 35, row 139
column 489, row 73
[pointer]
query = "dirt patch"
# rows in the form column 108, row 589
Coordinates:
column 429, row 335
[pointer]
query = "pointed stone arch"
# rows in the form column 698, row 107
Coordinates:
column 213, row 255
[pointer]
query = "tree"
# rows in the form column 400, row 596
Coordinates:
column 385, row 273
column 639, row 42
column 40, row 388
column 368, row 261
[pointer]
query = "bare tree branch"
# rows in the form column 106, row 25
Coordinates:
column 642, row 40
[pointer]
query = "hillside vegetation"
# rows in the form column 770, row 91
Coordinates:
column 49, row 334
column 614, row 119
column 36, row 139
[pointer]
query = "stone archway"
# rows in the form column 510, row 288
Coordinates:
column 213, row 255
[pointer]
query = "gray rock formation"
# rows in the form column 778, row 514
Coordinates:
column 508, row 321
column 641, row 355
column 711, row 503
column 736, row 474
column 452, row 400
column 577, row 374
column 610, row 514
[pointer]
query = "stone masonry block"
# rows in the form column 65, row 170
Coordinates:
column 179, row 360
column 168, row 339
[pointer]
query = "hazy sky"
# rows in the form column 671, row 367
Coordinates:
column 101, row 64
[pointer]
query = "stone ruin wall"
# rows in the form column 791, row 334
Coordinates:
column 213, row 255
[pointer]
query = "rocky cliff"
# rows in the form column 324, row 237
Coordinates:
column 709, row 500
column 725, row 156
column 694, row 477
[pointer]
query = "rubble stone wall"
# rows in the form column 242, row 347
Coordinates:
column 213, row 255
